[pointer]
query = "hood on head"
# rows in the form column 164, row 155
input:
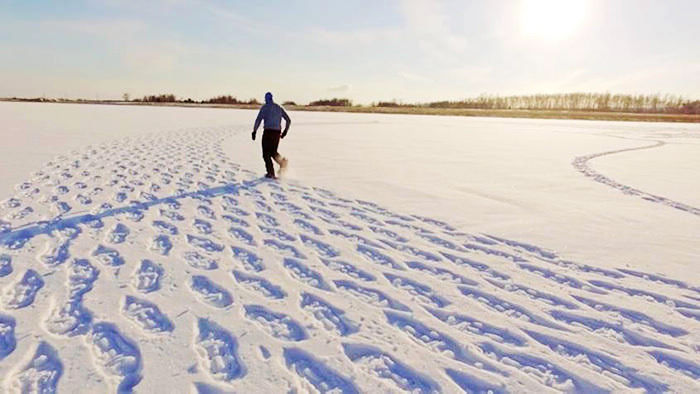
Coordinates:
column 268, row 98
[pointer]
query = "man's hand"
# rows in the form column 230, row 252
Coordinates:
column 284, row 134
column 253, row 135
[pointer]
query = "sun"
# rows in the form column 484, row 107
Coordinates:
column 551, row 20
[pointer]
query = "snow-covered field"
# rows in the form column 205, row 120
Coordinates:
column 140, row 249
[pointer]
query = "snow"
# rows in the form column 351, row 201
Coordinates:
column 140, row 249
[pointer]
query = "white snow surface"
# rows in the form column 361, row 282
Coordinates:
column 140, row 250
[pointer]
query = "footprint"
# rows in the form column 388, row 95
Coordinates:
column 543, row 253
column 264, row 207
column 391, row 234
column 202, row 226
column 284, row 249
column 81, row 277
column 209, row 292
column 279, row 197
column 604, row 328
column 242, row 235
column 633, row 316
column 267, row 219
column 276, row 324
column 236, row 211
column 313, row 371
column 204, row 243
column 277, row 233
column 165, row 227
column 346, row 225
column 161, row 244
column 543, row 371
column 504, row 307
column 439, row 241
column 235, row 220
column 217, row 349
column 229, row 201
column 260, row 285
column 332, row 318
column 40, row 374
column 677, row 364
column 536, row 295
column 306, row 226
column 437, row 223
column 437, row 341
column 70, row 318
column 367, row 219
column 492, row 252
column 172, row 215
column 118, row 234
column 135, row 215
column 413, row 251
column 118, row 357
column 371, row 296
column 481, row 267
column 313, row 201
column 206, row 212
column 298, row 213
column 146, row 315
column 250, row 260
column 120, row 197
column 147, row 277
column 349, row 270
column 477, row 327
column 356, row 238
column 560, row 278
column 383, row 366
column 8, row 342
column 599, row 362
column 22, row 293
column 658, row 278
column 472, row 384
column 659, row 298
column 423, row 292
column 108, row 256
column 61, row 208
column 377, row 257
column 197, row 260
column 323, row 249
column 305, row 274
column 327, row 213
column 693, row 314
column 441, row 273
column 55, row 253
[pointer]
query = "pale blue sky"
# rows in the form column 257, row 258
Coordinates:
column 363, row 50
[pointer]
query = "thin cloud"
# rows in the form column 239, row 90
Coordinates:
column 413, row 77
column 340, row 89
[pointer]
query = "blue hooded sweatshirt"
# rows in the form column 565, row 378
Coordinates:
column 271, row 113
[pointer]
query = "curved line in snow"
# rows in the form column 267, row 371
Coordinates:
column 580, row 163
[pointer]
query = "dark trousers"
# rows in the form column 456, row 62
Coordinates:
column 270, row 142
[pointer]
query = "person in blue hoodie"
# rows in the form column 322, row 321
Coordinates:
column 272, row 113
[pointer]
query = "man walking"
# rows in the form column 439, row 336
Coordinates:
column 272, row 115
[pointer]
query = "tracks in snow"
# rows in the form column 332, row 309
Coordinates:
column 159, row 254
column 581, row 164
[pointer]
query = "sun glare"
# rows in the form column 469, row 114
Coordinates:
column 551, row 20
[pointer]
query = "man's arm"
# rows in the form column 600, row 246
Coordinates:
column 287, row 121
column 257, row 122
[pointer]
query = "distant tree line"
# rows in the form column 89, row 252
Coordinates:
column 170, row 98
column 605, row 102
column 334, row 102
column 161, row 98
column 590, row 102
column 228, row 99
